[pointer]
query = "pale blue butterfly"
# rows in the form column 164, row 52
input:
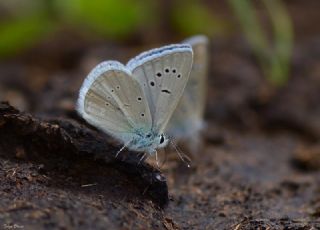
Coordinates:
column 187, row 120
column 134, row 103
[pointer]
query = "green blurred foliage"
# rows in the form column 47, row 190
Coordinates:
column 27, row 22
column 283, row 42
column 21, row 33
column 112, row 18
column 24, row 23
column 193, row 17
column 274, row 56
column 23, row 27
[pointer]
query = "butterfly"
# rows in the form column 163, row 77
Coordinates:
column 187, row 120
column 134, row 102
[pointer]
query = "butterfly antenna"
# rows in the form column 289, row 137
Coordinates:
column 122, row 148
column 182, row 156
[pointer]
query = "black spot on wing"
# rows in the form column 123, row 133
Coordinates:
column 166, row 91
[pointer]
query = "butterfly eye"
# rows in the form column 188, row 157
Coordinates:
column 161, row 139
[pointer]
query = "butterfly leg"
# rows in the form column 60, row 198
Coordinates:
column 122, row 148
column 157, row 158
column 166, row 157
column 143, row 156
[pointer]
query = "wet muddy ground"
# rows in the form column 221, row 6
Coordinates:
column 259, row 166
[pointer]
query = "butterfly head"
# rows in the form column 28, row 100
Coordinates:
column 148, row 142
column 163, row 141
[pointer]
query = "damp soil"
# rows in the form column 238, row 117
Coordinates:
column 258, row 168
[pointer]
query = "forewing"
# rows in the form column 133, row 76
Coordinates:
column 163, row 74
column 113, row 101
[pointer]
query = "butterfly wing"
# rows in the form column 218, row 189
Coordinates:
column 111, row 100
column 187, row 118
column 163, row 74
column 195, row 91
